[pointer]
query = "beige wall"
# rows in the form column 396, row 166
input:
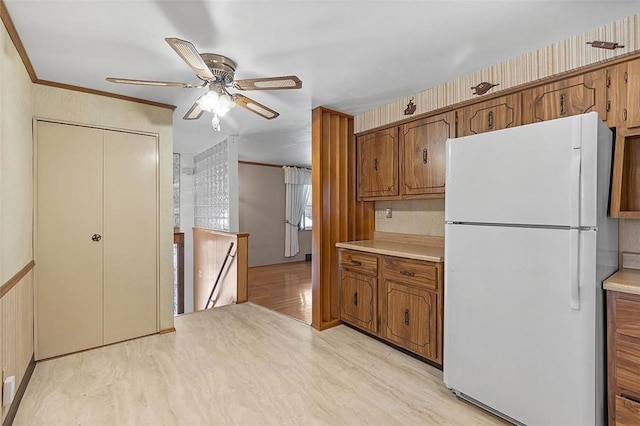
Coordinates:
column 261, row 206
column 82, row 108
column 16, row 206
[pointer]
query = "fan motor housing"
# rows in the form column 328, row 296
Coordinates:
column 220, row 66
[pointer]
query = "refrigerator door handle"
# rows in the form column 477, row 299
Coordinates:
column 574, row 264
column 575, row 187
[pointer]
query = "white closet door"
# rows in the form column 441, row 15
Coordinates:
column 68, row 261
column 131, row 232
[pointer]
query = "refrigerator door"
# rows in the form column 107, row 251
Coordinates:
column 532, row 174
column 513, row 340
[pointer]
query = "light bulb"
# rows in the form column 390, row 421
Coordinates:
column 210, row 101
column 215, row 122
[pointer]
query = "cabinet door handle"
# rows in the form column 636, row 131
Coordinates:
column 407, row 273
column 375, row 164
column 406, row 316
column 356, row 262
column 355, row 298
column 490, row 120
column 624, row 114
column 96, row 237
column 425, row 156
column 563, row 104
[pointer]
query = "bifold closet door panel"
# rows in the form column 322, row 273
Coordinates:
column 131, row 232
column 69, row 262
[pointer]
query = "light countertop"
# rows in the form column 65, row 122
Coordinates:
column 625, row 281
column 389, row 248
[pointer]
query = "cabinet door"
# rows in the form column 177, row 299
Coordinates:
column 423, row 154
column 68, row 292
column 571, row 96
column 632, row 80
column 358, row 299
column 409, row 318
column 378, row 164
column 491, row 115
column 130, row 236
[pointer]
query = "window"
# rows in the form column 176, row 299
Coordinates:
column 306, row 222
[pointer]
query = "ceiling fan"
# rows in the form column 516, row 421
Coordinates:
column 218, row 72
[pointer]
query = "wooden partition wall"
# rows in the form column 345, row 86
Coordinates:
column 209, row 250
column 336, row 214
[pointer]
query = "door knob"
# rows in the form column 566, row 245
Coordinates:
column 96, row 237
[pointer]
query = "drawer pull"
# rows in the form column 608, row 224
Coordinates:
column 356, row 262
column 406, row 316
column 490, row 120
column 355, row 298
column 630, row 398
column 407, row 273
column 425, row 156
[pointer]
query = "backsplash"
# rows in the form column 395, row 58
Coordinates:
column 422, row 217
column 629, row 236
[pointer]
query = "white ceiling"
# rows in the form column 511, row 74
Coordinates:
column 351, row 55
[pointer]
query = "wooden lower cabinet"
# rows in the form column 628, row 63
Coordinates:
column 396, row 299
column 623, row 341
column 358, row 299
column 409, row 318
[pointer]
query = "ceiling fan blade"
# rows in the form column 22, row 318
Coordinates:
column 190, row 55
column 153, row 83
column 269, row 83
column 254, row 106
column 194, row 112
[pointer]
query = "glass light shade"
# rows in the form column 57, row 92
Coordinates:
column 216, row 103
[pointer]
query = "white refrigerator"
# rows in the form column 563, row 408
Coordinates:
column 527, row 245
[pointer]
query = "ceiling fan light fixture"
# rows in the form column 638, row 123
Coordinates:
column 219, row 104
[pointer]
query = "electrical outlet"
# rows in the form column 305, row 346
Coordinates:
column 380, row 214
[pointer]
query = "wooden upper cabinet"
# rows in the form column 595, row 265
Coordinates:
column 572, row 96
column 377, row 156
column 491, row 115
column 423, row 154
column 625, row 90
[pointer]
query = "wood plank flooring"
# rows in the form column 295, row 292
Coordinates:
column 284, row 288
column 243, row 365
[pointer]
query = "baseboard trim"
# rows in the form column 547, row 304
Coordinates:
column 167, row 330
column 327, row 325
column 13, row 410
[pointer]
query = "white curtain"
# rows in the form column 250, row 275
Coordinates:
column 297, row 183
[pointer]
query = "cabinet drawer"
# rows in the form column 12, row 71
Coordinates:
column 411, row 271
column 627, row 316
column 627, row 412
column 628, row 366
column 358, row 261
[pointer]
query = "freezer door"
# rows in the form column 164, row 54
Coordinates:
column 522, row 175
column 513, row 340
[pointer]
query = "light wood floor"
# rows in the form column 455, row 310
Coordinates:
column 284, row 288
column 243, row 365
